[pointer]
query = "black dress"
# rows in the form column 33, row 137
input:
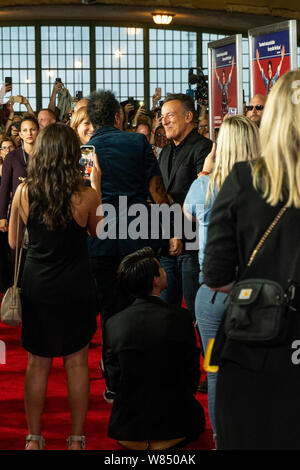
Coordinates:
column 58, row 293
column 258, row 388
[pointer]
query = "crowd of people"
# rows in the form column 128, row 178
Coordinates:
column 79, row 234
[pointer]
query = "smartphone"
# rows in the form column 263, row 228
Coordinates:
column 87, row 159
column 8, row 80
column 79, row 95
column 17, row 99
column 158, row 93
column 58, row 80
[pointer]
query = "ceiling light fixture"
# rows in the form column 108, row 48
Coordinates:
column 162, row 18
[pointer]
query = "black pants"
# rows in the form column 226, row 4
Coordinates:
column 111, row 298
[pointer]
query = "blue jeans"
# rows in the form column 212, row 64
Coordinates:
column 209, row 308
column 182, row 276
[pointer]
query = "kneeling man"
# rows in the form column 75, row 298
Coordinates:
column 153, row 354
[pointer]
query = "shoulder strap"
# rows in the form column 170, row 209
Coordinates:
column 18, row 255
column 262, row 240
column 265, row 235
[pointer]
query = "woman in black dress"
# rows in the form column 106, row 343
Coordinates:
column 258, row 387
column 58, row 299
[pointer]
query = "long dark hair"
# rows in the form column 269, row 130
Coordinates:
column 54, row 174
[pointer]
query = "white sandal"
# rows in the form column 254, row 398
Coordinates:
column 80, row 439
column 34, row 437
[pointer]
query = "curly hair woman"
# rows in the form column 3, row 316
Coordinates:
column 58, row 301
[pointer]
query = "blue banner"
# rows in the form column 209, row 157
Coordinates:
column 269, row 45
column 223, row 55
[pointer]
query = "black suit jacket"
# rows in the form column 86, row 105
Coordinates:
column 189, row 161
column 186, row 167
column 154, row 359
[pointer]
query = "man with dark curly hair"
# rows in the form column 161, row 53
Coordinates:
column 130, row 175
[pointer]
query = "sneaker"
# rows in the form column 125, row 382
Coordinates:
column 108, row 396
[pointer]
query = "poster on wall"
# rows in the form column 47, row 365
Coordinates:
column 225, row 80
column 272, row 53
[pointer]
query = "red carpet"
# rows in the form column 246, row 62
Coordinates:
column 56, row 418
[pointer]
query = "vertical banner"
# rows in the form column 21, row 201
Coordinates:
column 225, row 80
column 272, row 52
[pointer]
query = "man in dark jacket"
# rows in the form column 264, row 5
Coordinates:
column 130, row 175
column 180, row 163
column 154, row 363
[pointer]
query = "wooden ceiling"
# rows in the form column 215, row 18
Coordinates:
column 218, row 15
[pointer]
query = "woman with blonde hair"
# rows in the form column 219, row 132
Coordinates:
column 258, row 386
column 238, row 140
column 81, row 124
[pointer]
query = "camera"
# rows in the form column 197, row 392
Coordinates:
column 79, row 95
column 201, row 92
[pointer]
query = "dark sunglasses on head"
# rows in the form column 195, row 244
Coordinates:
column 258, row 107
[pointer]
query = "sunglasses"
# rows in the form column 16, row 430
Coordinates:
column 258, row 107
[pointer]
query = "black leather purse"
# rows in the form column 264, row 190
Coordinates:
column 259, row 310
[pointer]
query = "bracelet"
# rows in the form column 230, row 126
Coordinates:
column 203, row 173
column 153, row 132
column 9, row 119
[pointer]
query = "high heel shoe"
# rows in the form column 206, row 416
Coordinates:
column 34, row 437
column 80, row 439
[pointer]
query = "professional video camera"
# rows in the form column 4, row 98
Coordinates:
column 200, row 93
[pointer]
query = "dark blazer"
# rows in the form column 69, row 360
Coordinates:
column 127, row 163
column 151, row 347
column 14, row 168
column 187, row 165
column 239, row 218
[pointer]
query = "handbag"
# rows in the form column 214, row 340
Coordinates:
column 11, row 307
column 259, row 310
